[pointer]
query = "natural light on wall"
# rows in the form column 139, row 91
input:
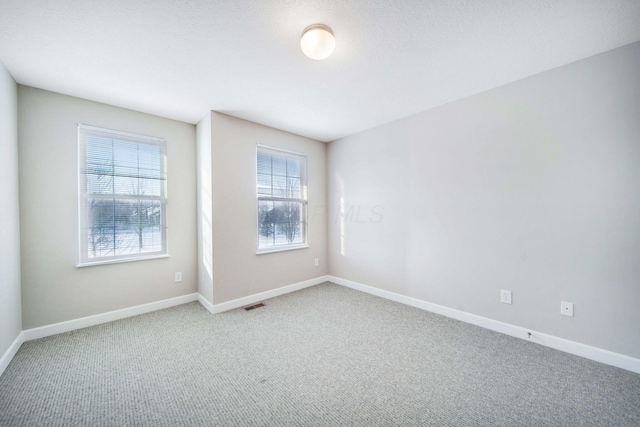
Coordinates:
column 341, row 214
column 317, row 41
column 207, row 221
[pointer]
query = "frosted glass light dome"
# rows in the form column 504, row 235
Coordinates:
column 317, row 41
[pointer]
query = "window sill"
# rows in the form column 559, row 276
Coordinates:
column 287, row 248
column 121, row 260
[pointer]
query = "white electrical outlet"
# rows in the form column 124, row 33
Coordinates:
column 505, row 296
column 178, row 277
column 566, row 308
column 316, row 262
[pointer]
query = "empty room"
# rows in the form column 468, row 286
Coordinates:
column 319, row 213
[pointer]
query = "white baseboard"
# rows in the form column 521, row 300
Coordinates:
column 70, row 325
column 11, row 351
column 579, row 349
column 205, row 303
column 251, row 299
column 97, row 319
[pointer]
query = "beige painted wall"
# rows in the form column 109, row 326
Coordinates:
column 53, row 288
column 10, row 304
column 530, row 187
column 237, row 270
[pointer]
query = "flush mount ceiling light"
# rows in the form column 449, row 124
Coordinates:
column 317, row 41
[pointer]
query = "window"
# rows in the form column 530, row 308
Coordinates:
column 282, row 199
column 122, row 196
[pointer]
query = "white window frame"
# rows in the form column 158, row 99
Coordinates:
column 83, row 212
column 274, row 151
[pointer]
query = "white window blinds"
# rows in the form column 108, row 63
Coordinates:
column 122, row 195
column 282, row 199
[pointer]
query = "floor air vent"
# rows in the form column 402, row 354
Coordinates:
column 251, row 307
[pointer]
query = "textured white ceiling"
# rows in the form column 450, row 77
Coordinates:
column 394, row 58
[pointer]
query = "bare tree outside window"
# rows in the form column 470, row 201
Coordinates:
column 281, row 198
column 122, row 195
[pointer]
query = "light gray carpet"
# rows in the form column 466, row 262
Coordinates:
column 326, row 355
